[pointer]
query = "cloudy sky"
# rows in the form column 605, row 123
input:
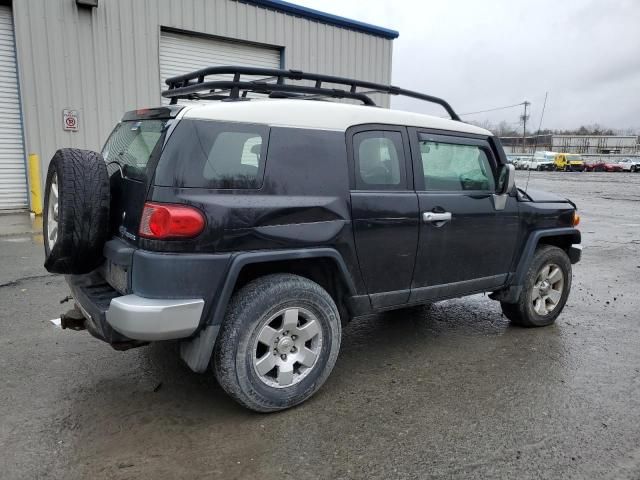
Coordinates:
column 480, row 54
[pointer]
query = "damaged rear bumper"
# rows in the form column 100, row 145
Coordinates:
column 151, row 319
column 127, row 321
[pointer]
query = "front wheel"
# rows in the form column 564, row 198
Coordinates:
column 545, row 291
column 278, row 343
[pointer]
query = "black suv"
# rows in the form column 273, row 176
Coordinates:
column 253, row 230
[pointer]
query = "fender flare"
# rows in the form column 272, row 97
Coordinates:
column 532, row 243
column 196, row 352
column 238, row 262
column 511, row 293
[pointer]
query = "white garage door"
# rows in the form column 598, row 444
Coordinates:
column 181, row 54
column 13, row 179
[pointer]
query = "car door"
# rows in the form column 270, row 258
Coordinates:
column 384, row 209
column 467, row 237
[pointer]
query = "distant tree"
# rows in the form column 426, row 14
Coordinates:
column 506, row 129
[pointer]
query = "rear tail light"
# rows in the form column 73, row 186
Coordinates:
column 163, row 221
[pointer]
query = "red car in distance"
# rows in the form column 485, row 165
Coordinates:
column 601, row 166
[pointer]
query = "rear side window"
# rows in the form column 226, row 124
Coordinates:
column 209, row 154
column 379, row 160
column 453, row 167
column 130, row 145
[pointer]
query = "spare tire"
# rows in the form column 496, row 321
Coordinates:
column 76, row 211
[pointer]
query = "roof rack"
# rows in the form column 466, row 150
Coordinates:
column 195, row 86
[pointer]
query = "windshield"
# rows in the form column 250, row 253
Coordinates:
column 130, row 145
column 574, row 158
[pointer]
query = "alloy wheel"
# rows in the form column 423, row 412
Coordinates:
column 52, row 213
column 287, row 347
column 547, row 289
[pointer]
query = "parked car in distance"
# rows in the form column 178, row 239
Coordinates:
column 252, row 231
column 568, row 162
column 630, row 164
column 602, row 166
column 541, row 161
column 520, row 161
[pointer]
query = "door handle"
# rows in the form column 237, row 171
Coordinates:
column 438, row 219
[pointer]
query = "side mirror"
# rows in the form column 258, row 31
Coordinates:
column 507, row 179
column 506, row 182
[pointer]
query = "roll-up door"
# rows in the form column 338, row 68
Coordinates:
column 180, row 53
column 13, row 173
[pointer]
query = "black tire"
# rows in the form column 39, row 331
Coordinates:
column 82, row 214
column 235, row 350
column 523, row 313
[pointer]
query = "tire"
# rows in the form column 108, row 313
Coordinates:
column 524, row 313
column 238, row 351
column 76, row 220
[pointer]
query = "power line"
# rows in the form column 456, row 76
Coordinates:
column 492, row 109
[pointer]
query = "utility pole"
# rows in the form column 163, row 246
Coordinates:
column 524, row 119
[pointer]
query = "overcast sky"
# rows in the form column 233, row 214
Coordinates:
column 480, row 54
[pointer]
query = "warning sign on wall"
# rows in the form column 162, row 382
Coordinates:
column 70, row 120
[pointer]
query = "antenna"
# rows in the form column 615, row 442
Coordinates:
column 535, row 145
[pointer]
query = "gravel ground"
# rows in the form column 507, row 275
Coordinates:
column 451, row 392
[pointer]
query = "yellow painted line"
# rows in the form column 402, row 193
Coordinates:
column 35, row 184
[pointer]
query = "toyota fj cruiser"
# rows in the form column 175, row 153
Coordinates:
column 252, row 230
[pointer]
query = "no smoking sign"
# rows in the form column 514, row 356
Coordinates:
column 70, row 120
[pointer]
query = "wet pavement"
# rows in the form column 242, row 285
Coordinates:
column 449, row 392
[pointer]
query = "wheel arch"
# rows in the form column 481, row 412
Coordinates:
column 559, row 237
column 563, row 238
column 325, row 266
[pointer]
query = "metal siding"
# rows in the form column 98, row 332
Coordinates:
column 105, row 61
column 13, row 172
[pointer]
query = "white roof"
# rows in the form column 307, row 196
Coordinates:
column 318, row 115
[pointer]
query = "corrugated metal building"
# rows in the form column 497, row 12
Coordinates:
column 74, row 69
column 595, row 144
column 583, row 144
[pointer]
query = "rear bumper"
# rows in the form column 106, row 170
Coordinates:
column 150, row 319
column 139, row 296
column 128, row 320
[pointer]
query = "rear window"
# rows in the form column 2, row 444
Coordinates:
column 130, row 145
column 209, row 154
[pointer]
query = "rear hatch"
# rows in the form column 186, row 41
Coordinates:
column 131, row 153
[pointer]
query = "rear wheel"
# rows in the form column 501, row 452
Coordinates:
column 279, row 342
column 545, row 291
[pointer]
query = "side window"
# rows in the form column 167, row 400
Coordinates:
column 379, row 157
column 234, row 158
column 453, row 167
column 210, row 154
